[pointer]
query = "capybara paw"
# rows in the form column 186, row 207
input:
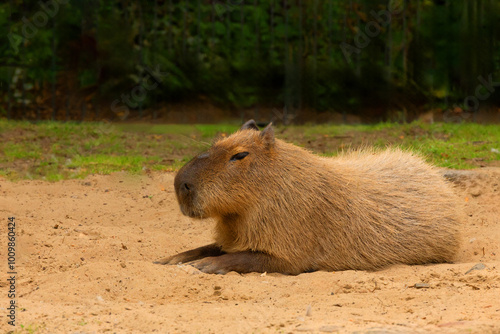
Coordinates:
column 211, row 265
column 176, row 259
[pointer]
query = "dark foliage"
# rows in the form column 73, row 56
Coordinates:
column 119, row 58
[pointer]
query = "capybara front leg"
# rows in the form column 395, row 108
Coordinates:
column 191, row 255
column 244, row 262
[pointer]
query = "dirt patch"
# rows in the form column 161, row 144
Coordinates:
column 85, row 252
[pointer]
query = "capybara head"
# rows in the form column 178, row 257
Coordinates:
column 219, row 182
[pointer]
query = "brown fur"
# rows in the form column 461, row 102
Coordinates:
column 283, row 209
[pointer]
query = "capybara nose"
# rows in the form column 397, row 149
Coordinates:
column 186, row 188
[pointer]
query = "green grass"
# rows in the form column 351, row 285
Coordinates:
column 212, row 130
column 55, row 151
column 105, row 164
column 13, row 151
column 459, row 146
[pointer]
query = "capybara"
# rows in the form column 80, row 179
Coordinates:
column 280, row 208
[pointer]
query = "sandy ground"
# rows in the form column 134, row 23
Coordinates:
column 84, row 261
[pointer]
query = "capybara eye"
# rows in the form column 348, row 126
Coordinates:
column 238, row 156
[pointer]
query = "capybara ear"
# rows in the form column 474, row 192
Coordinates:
column 250, row 125
column 267, row 134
